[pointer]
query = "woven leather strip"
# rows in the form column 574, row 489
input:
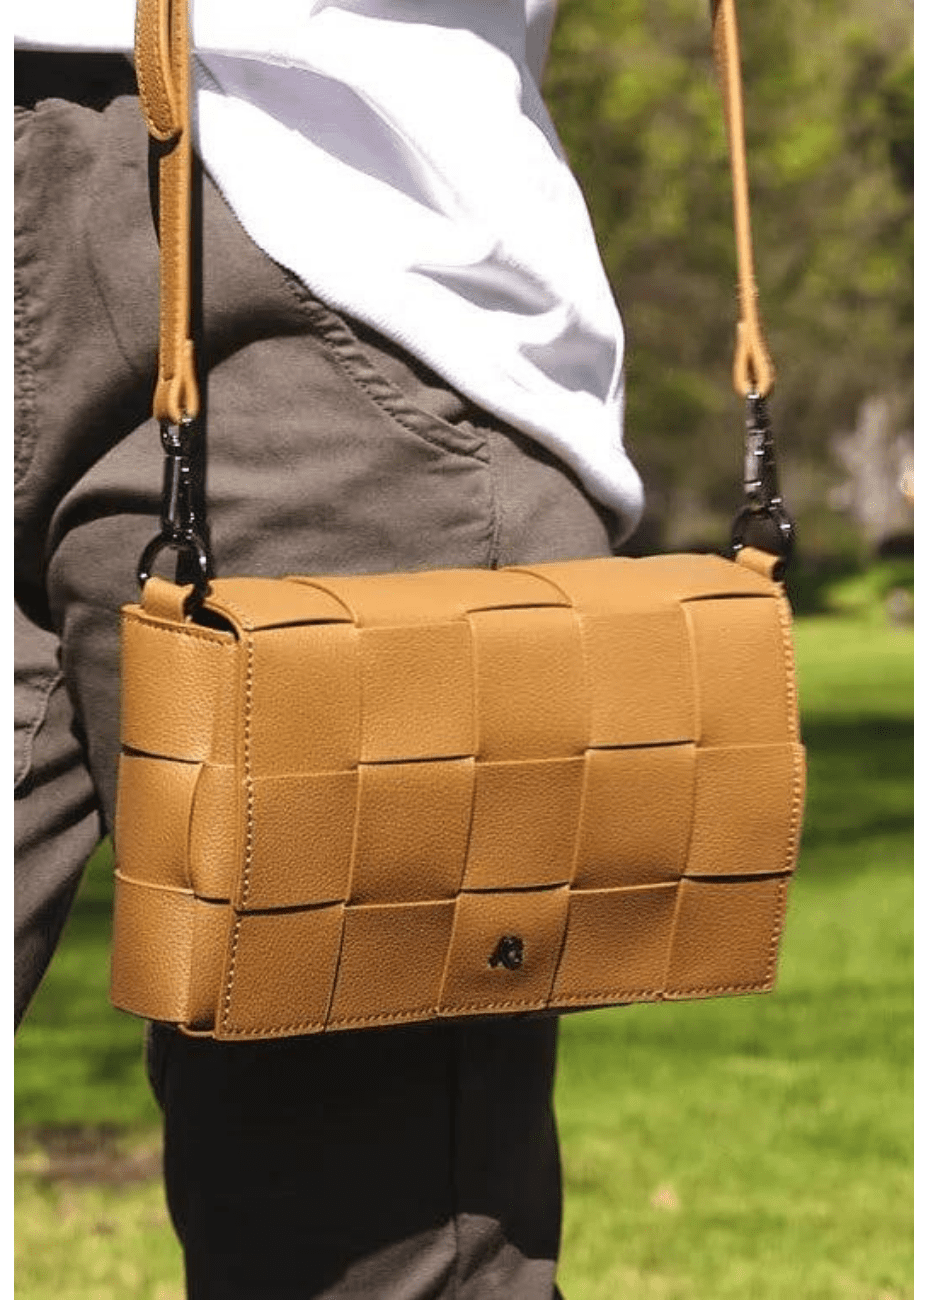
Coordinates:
column 538, row 796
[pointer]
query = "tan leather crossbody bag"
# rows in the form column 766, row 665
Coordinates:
column 374, row 800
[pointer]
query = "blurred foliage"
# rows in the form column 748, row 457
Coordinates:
column 881, row 593
column 829, row 125
column 877, row 593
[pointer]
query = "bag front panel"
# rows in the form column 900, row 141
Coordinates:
column 477, row 793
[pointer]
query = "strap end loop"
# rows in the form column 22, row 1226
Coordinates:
column 752, row 370
column 177, row 395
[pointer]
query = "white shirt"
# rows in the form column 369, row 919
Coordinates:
column 396, row 155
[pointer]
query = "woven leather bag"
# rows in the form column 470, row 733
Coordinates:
column 374, row 800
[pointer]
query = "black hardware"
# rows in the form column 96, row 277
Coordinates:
column 763, row 522
column 508, row 953
column 179, row 529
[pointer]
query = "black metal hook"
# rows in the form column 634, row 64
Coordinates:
column 763, row 521
column 179, row 531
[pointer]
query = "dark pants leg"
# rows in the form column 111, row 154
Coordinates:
column 398, row 1164
column 416, row 1162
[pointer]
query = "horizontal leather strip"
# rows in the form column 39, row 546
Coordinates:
column 742, row 673
column 726, row 935
column 217, row 831
column 638, row 812
column 435, row 596
column 152, row 950
column 636, row 922
column 281, row 973
column 617, row 583
column 747, row 810
column 155, row 850
column 178, row 689
column 254, row 603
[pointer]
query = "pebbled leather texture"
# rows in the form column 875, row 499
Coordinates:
column 162, row 63
column 360, row 801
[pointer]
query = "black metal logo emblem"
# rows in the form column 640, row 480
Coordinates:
column 508, row 953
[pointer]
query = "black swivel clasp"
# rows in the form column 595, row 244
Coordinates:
column 762, row 522
column 179, row 529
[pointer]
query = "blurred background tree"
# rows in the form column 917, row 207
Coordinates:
column 829, row 124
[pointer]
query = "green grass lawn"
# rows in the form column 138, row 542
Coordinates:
column 756, row 1147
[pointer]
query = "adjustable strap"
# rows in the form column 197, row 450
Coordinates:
column 162, row 60
column 752, row 370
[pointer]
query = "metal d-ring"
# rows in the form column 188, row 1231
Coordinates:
column 191, row 544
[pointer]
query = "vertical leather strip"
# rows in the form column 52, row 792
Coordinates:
column 752, row 368
column 163, row 72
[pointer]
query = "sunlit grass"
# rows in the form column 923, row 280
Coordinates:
column 79, row 1241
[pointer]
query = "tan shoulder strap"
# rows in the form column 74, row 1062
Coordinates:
column 752, row 369
column 162, row 61
column 163, row 71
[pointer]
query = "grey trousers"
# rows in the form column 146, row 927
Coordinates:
column 397, row 1164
